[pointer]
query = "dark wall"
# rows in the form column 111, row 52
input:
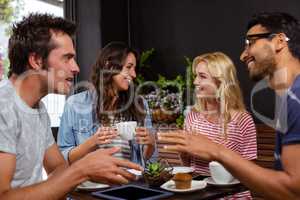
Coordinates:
column 88, row 36
column 99, row 22
column 177, row 28
column 114, row 23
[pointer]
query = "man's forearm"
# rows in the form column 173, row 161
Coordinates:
column 270, row 183
column 56, row 187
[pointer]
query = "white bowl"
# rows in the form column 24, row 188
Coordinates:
column 219, row 174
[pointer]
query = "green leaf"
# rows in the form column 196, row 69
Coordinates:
column 189, row 72
column 140, row 79
column 145, row 56
column 180, row 121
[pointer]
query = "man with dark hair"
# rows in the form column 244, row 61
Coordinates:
column 42, row 59
column 272, row 52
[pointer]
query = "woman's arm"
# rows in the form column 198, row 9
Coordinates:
column 102, row 136
column 150, row 150
column 66, row 138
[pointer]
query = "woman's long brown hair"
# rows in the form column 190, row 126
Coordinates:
column 110, row 62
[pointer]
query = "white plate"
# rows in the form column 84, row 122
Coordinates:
column 211, row 181
column 195, row 185
column 182, row 169
column 88, row 185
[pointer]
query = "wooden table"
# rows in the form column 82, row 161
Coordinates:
column 210, row 192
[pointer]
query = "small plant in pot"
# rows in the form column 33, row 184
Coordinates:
column 157, row 173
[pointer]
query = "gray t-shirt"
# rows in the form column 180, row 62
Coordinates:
column 24, row 132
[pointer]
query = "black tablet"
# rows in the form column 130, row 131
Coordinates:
column 132, row 192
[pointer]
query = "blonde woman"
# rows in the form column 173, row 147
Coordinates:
column 219, row 112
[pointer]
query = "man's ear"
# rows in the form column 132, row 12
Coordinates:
column 281, row 41
column 35, row 62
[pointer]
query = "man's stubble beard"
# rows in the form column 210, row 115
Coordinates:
column 265, row 67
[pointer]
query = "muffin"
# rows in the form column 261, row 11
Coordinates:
column 182, row 180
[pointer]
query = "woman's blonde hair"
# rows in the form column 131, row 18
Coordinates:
column 229, row 94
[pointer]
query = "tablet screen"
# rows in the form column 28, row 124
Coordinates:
column 132, row 192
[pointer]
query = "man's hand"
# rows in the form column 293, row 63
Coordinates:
column 190, row 143
column 101, row 166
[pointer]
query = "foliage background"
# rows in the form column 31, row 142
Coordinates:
column 9, row 12
column 180, row 86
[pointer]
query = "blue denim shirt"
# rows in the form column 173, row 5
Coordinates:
column 79, row 122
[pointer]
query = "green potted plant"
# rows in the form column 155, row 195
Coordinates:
column 157, row 173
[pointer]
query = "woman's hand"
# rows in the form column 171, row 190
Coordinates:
column 143, row 136
column 104, row 135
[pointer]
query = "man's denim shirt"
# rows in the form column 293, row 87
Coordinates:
column 79, row 122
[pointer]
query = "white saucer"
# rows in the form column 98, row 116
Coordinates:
column 135, row 172
column 88, row 185
column 182, row 169
column 211, row 181
column 195, row 185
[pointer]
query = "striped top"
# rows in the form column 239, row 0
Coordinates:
column 241, row 138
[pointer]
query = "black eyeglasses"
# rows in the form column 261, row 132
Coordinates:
column 251, row 39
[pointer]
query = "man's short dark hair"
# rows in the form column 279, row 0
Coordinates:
column 278, row 22
column 33, row 35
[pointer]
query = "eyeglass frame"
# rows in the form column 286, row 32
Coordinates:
column 260, row 36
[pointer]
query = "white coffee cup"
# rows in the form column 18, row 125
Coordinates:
column 219, row 174
column 126, row 130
